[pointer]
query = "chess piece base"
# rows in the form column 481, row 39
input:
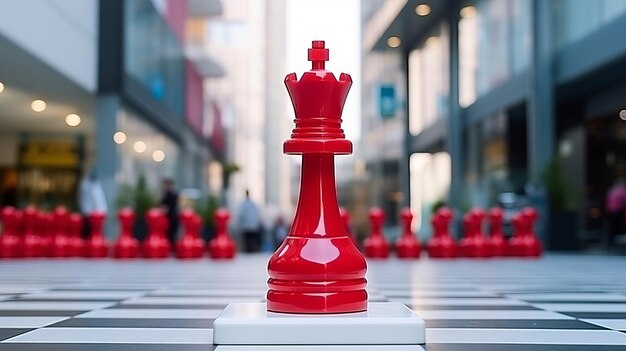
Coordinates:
column 474, row 248
column 376, row 248
column 408, row 248
column 384, row 323
column 222, row 248
column 126, row 248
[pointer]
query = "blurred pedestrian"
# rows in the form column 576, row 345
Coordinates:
column 90, row 199
column 615, row 204
column 279, row 231
column 169, row 203
column 249, row 221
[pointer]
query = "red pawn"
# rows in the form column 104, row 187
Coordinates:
column 407, row 245
column 473, row 244
column 97, row 245
column 156, row 245
column 497, row 241
column 442, row 245
column 376, row 246
column 317, row 268
column 11, row 243
column 75, row 242
column 126, row 245
column 60, row 241
column 524, row 242
column 33, row 245
column 516, row 242
column 190, row 244
column 222, row 246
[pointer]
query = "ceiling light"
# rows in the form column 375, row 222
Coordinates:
column 119, row 137
column 468, row 12
column 432, row 41
column 139, row 146
column 38, row 105
column 72, row 120
column 158, row 155
column 1, row 87
column 394, row 42
column 622, row 115
column 422, row 10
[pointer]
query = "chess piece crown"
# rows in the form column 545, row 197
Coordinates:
column 318, row 99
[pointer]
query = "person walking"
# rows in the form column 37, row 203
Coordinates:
column 279, row 231
column 250, row 224
column 169, row 202
column 90, row 199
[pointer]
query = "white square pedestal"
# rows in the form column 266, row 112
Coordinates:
column 384, row 323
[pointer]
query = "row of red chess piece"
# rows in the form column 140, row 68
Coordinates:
column 523, row 243
column 33, row 233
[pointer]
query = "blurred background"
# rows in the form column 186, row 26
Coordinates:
column 460, row 103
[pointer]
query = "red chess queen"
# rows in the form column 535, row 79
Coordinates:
column 317, row 269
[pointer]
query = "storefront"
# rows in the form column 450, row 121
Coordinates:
column 46, row 137
column 144, row 151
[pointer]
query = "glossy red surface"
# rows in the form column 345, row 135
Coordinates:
column 347, row 222
column 96, row 246
column 156, row 244
column 11, row 243
column 524, row 242
column 376, row 245
column 33, row 244
column 318, row 99
column 126, row 245
column 497, row 242
column 441, row 244
column 407, row 245
column 317, row 269
column 75, row 230
column 60, row 241
column 190, row 244
column 46, row 232
column 222, row 245
column 473, row 243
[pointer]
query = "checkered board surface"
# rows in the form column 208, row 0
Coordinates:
column 556, row 303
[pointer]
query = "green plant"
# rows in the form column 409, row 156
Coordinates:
column 206, row 209
column 124, row 196
column 561, row 194
column 227, row 170
column 143, row 198
column 437, row 205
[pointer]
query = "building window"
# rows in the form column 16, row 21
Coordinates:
column 430, row 181
column 494, row 45
column 153, row 55
column 144, row 152
column 487, row 164
column 429, row 81
column 575, row 19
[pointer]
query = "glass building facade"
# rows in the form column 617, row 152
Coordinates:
column 512, row 99
column 153, row 55
column 158, row 159
column 576, row 19
column 429, row 80
column 494, row 45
